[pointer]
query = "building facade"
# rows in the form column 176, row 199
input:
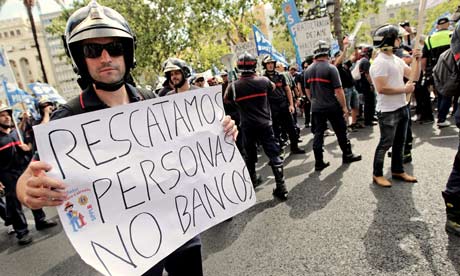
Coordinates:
column 17, row 40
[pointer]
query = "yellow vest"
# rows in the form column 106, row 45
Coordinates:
column 438, row 39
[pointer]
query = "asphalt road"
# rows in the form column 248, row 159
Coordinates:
column 334, row 223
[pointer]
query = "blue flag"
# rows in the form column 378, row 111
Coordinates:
column 264, row 47
column 16, row 97
column 45, row 90
column 292, row 17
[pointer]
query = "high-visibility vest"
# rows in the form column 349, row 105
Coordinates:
column 438, row 39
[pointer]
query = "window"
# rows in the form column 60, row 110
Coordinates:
column 18, row 32
column 12, row 33
column 5, row 34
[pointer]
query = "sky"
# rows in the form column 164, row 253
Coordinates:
column 15, row 8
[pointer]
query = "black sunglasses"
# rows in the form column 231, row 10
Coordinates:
column 93, row 50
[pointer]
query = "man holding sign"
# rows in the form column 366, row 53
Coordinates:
column 101, row 45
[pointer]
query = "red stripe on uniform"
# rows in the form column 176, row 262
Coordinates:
column 457, row 56
column 9, row 145
column 279, row 84
column 318, row 80
column 81, row 101
column 251, row 96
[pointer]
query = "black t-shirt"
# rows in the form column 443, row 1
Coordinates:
column 322, row 79
column 251, row 98
column 362, row 85
column 12, row 158
column 345, row 76
column 230, row 107
column 277, row 98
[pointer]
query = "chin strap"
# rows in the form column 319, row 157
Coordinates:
column 109, row 86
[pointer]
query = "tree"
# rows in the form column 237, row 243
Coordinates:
column 181, row 28
column 29, row 4
column 433, row 13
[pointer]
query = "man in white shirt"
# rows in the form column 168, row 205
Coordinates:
column 387, row 73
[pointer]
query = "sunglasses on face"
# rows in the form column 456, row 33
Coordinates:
column 93, row 50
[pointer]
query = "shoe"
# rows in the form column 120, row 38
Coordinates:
column 358, row 125
column 352, row 128
column 26, row 239
column 443, row 124
column 321, row 166
column 381, row 181
column 10, row 230
column 329, row 132
column 280, row 193
column 256, row 181
column 371, row 124
column 307, row 125
column 404, row 177
column 351, row 158
column 407, row 159
column 297, row 150
column 45, row 224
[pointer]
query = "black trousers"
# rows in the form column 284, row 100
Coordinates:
column 3, row 212
column 264, row 135
column 307, row 110
column 179, row 263
column 422, row 97
column 335, row 117
column 282, row 120
column 369, row 107
column 14, row 211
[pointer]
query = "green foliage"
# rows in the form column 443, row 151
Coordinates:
column 433, row 13
column 403, row 15
column 198, row 31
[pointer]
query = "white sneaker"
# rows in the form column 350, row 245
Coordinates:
column 329, row 132
column 10, row 230
column 444, row 124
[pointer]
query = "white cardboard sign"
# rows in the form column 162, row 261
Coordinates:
column 309, row 32
column 145, row 178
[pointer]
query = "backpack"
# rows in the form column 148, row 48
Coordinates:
column 446, row 75
column 75, row 106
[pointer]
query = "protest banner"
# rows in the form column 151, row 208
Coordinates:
column 265, row 47
column 145, row 178
column 6, row 74
column 240, row 48
column 291, row 16
column 309, row 32
column 45, row 90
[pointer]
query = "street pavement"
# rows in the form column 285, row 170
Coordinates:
column 336, row 222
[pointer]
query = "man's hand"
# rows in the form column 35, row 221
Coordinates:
column 36, row 190
column 291, row 109
column 416, row 53
column 230, row 128
column 25, row 115
column 24, row 147
column 345, row 113
column 48, row 109
column 409, row 88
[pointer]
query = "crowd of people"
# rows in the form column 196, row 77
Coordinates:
column 343, row 92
